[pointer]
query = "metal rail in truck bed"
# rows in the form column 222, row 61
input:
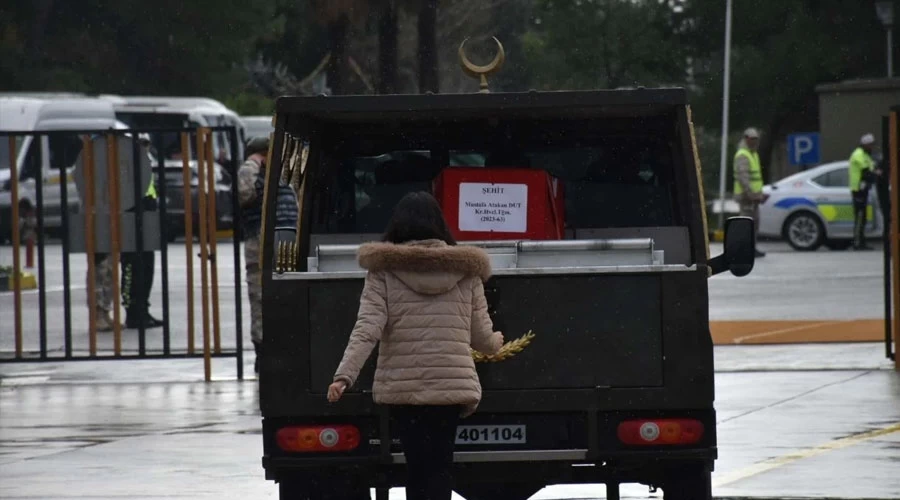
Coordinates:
column 512, row 257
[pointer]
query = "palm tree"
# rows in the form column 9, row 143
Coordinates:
column 388, row 78
column 428, row 58
column 337, row 16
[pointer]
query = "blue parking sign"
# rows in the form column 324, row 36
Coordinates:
column 803, row 149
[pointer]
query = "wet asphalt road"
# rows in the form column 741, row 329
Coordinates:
column 814, row 421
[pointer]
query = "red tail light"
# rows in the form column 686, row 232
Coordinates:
column 320, row 438
column 660, row 431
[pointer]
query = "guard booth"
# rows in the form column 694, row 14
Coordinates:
column 889, row 195
column 104, row 218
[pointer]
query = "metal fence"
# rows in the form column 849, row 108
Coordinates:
column 109, row 220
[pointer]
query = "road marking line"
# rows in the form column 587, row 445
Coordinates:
column 740, row 340
column 775, row 462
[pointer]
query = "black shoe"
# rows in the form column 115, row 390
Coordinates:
column 760, row 254
column 133, row 322
column 864, row 248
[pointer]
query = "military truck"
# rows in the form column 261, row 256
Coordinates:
column 614, row 382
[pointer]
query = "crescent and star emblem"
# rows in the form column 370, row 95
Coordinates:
column 481, row 72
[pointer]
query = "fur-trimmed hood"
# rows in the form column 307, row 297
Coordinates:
column 428, row 266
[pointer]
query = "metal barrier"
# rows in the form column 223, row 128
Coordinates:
column 891, row 142
column 111, row 171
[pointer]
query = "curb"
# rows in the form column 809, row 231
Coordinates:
column 28, row 282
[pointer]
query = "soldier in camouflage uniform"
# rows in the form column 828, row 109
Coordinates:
column 103, row 291
column 251, row 184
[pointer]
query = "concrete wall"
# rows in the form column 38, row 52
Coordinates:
column 847, row 110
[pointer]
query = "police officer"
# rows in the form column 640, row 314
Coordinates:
column 748, row 179
column 136, row 294
column 862, row 177
column 251, row 185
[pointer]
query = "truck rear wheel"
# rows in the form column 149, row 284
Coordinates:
column 690, row 486
column 498, row 491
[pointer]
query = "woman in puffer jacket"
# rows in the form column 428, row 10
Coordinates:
column 423, row 301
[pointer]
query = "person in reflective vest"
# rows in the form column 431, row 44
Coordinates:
column 748, row 179
column 135, row 295
column 862, row 177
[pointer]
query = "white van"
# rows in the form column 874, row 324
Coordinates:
column 258, row 126
column 168, row 113
column 46, row 156
column 148, row 111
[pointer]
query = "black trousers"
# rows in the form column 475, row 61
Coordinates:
column 860, row 203
column 427, row 434
column 136, row 285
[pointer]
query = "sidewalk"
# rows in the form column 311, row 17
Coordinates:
column 819, row 421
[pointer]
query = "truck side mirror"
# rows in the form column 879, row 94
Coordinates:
column 740, row 248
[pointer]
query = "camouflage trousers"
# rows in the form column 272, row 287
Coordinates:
column 749, row 208
column 103, row 285
column 254, row 287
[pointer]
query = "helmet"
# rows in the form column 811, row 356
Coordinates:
column 257, row 145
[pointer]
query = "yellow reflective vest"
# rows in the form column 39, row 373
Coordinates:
column 756, row 179
column 860, row 161
column 151, row 189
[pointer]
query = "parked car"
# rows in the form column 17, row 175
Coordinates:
column 814, row 208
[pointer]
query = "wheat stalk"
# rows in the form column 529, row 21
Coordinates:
column 508, row 350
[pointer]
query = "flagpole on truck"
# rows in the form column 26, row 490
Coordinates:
column 725, row 98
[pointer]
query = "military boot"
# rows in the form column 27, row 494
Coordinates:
column 104, row 321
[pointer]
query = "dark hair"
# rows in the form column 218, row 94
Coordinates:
column 418, row 216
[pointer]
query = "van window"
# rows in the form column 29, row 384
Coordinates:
column 4, row 150
column 31, row 168
column 609, row 180
column 64, row 149
column 171, row 141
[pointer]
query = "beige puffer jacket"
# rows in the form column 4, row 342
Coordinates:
column 424, row 301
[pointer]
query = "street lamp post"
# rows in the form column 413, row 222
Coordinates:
column 723, row 162
column 885, row 11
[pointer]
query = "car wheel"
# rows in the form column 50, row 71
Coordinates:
column 838, row 244
column 804, row 231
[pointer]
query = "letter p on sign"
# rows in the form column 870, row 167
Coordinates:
column 803, row 149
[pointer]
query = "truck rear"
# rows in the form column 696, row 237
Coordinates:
column 614, row 383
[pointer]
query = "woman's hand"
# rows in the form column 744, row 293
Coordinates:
column 336, row 390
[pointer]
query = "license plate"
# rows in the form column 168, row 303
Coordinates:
column 490, row 434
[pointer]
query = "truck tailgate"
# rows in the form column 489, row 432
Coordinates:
column 591, row 331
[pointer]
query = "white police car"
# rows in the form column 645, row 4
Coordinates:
column 814, row 208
